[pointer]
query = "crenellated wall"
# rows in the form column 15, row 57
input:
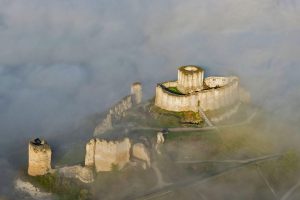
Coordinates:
column 210, row 99
column 218, row 81
column 118, row 111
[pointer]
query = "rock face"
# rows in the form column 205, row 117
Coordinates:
column 141, row 152
column 39, row 161
column 136, row 92
column 26, row 188
column 160, row 139
column 107, row 155
column 90, row 153
column 84, row 174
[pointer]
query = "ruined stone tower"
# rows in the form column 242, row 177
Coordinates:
column 103, row 155
column 136, row 92
column 190, row 79
column 39, row 161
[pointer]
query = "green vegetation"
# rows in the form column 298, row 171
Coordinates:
column 282, row 169
column 64, row 188
column 203, row 135
column 115, row 167
column 175, row 119
column 174, row 90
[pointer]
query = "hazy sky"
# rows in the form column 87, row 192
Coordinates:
column 61, row 60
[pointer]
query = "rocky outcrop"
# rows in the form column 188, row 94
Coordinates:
column 141, row 152
column 160, row 139
column 107, row 155
column 39, row 160
column 27, row 189
column 84, row 174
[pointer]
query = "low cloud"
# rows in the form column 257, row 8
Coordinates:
column 63, row 60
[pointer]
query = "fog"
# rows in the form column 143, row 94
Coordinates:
column 62, row 60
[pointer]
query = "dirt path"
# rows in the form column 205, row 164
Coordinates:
column 160, row 182
column 200, row 179
column 203, row 115
column 289, row 193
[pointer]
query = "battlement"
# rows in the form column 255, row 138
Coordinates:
column 192, row 90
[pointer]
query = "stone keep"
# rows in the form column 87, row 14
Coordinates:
column 190, row 79
column 39, row 160
column 211, row 93
column 136, row 92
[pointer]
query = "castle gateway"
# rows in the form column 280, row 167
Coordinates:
column 192, row 90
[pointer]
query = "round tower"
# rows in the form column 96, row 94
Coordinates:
column 39, row 160
column 190, row 79
column 136, row 92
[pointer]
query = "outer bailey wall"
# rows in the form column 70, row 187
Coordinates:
column 117, row 112
column 211, row 99
column 214, row 81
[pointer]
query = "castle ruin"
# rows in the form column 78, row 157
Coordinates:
column 105, row 155
column 39, row 160
column 118, row 111
column 136, row 92
column 192, row 91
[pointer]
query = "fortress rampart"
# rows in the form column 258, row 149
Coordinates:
column 217, row 92
column 118, row 111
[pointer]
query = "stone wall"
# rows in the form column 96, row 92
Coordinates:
column 84, row 174
column 90, row 153
column 136, row 92
column 116, row 113
column 39, row 158
column 215, row 81
column 104, row 155
column 209, row 99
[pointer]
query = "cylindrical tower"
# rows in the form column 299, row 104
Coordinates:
column 190, row 79
column 136, row 92
column 39, row 160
